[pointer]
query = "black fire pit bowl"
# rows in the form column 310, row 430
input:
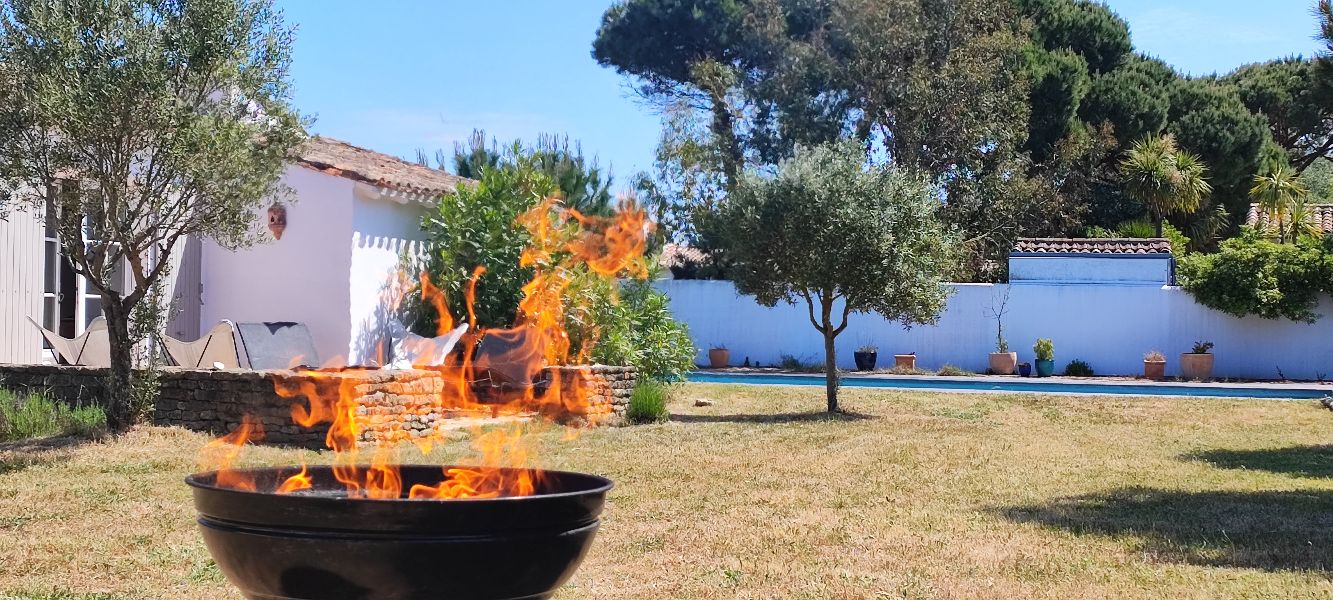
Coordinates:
column 318, row 544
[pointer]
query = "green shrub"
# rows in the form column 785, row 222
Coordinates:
column 952, row 371
column 647, row 404
column 637, row 329
column 897, row 370
column 788, row 362
column 33, row 415
column 623, row 323
column 1180, row 243
column 1252, row 275
column 476, row 226
column 1078, row 368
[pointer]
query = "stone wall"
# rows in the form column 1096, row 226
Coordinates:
column 391, row 405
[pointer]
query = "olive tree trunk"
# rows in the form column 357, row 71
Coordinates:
column 824, row 325
column 120, row 379
column 830, row 370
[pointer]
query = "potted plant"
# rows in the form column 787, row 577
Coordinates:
column 865, row 357
column 1024, row 369
column 1044, row 350
column 1198, row 362
column 904, row 361
column 1002, row 361
column 718, row 356
column 1154, row 365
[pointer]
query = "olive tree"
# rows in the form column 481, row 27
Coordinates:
column 137, row 123
column 841, row 236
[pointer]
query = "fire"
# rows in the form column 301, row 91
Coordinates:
column 220, row 454
column 567, row 250
column 296, row 483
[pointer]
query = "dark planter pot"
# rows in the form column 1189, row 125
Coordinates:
column 1045, row 368
column 1025, row 370
column 320, row 545
column 865, row 361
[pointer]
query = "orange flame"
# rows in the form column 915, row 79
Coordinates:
column 297, row 482
column 567, row 250
column 220, row 454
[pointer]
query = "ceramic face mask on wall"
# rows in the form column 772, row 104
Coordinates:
column 277, row 220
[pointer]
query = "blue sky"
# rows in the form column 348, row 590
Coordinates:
column 399, row 75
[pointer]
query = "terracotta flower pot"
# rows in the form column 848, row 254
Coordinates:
column 719, row 358
column 1196, row 366
column 1154, row 369
column 1003, row 363
column 904, row 361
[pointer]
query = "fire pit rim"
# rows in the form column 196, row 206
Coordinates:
column 604, row 484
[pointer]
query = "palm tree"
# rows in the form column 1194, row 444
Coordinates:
column 1166, row 179
column 1302, row 221
column 1277, row 193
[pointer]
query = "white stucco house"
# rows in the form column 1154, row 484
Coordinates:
column 352, row 215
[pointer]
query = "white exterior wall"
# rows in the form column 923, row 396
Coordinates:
column 302, row 277
column 383, row 230
column 1108, row 325
column 1150, row 270
column 21, row 285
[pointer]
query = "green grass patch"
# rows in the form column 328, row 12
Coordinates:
column 647, row 404
column 952, row 371
column 27, row 416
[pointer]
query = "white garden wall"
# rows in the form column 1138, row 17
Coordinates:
column 383, row 230
column 1108, row 325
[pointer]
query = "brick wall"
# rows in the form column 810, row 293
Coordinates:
column 392, row 405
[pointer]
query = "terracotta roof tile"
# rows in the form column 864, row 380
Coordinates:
column 341, row 159
column 678, row 255
column 1093, row 246
column 1320, row 214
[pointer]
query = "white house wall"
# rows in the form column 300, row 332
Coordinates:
column 383, row 230
column 302, row 277
column 1108, row 325
column 21, row 272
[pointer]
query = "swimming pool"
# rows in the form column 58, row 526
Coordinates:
column 989, row 384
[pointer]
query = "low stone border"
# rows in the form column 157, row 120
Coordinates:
column 392, row 405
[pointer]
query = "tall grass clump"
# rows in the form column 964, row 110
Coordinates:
column 27, row 416
column 647, row 404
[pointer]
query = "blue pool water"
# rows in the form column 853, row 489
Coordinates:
column 1019, row 385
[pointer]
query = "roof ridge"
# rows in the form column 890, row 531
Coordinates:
column 340, row 158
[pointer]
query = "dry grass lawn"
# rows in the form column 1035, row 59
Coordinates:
column 915, row 496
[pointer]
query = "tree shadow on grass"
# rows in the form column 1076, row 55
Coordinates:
column 1274, row 530
column 1301, row 461
column 25, row 454
column 810, row 417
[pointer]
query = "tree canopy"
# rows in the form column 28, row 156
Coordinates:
column 840, row 237
column 140, row 123
column 1298, row 110
column 1020, row 112
column 1166, row 179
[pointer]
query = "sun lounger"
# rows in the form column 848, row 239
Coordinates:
column 92, row 349
column 509, row 359
column 215, row 349
column 279, row 345
column 411, row 350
